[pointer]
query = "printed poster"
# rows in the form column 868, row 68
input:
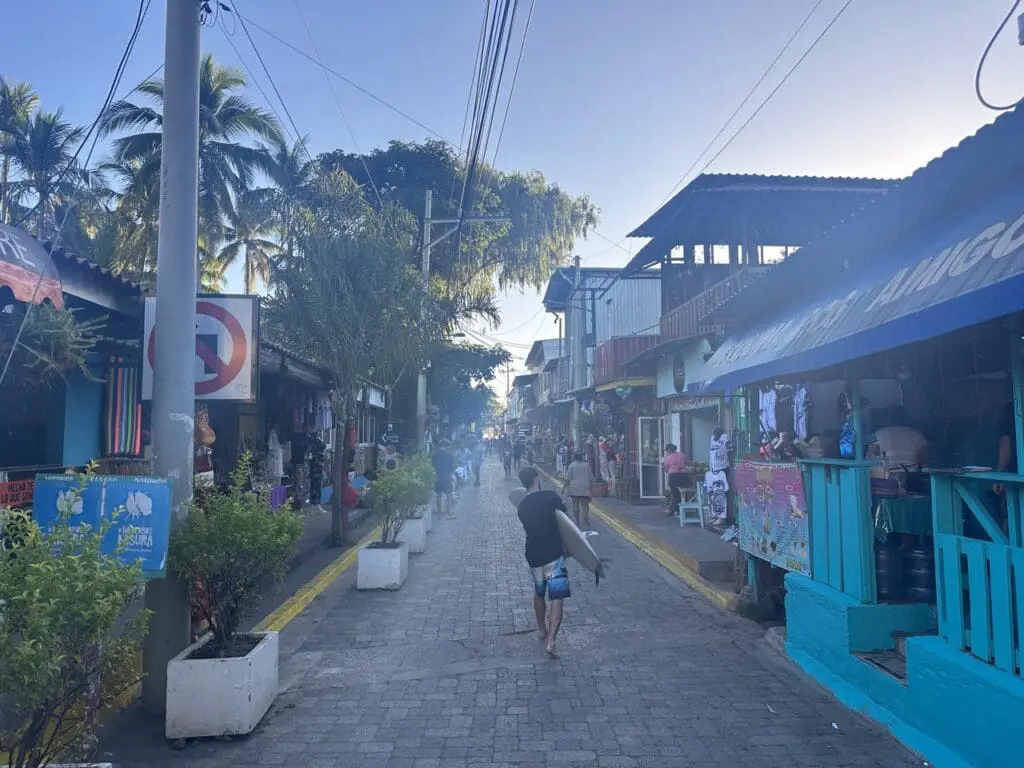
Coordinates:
column 773, row 514
column 139, row 506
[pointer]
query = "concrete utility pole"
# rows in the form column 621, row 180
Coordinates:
column 576, row 351
column 428, row 243
column 175, row 343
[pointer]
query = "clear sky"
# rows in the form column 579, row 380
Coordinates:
column 615, row 98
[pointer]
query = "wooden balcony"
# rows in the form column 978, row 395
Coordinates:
column 692, row 319
column 610, row 358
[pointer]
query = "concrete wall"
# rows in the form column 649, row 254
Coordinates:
column 953, row 709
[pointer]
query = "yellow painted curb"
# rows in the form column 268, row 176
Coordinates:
column 684, row 567
column 298, row 602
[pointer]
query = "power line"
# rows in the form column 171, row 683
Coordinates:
column 344, row 79
column 984, row 57
column 337, row 102
column 515, row 79
column 270, row 78
column 746, row 98
column 73, row 163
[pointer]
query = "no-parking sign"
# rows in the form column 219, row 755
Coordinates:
column 227, row 341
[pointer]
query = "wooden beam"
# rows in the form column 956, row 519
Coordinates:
column 980, row 511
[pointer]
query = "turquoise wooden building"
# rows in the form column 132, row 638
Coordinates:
column 925, row 287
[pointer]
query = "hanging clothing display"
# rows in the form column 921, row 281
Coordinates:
column 717, row 486
column 323, row 414
column 801, row 408
column 122, row 410
column 719, row 452
column 275, row 458
column 767, row 398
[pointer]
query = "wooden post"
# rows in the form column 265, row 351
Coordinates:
column 853, row 384
column 689, row 254
column 734, row 254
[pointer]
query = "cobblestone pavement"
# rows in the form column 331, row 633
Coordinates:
column 447, row 673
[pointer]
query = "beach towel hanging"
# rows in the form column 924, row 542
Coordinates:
column 122, row 410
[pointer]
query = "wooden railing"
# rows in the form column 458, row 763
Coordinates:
column 842, row 543
column 980, row 584
column 688, row 320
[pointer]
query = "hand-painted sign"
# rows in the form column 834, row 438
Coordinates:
column 138, row 510
column 227, row 340
column 962, row 279
column 773, row 514
column 16, row 493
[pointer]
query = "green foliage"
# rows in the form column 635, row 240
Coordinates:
column 68, row 639
column 53, row 342
column 422, row 468
column 397, row 497
column 233, row 550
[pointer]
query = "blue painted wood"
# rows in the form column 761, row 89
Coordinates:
column 1013, row 514
column 1017, row 565
column 945, row 506
column 835, row 529
column 979, row 593
column 1003, row 612
column 856, row 418
column 858, row 534
column 980, row 511
column 950, row 581
column 1017, row 377
column 817, row 504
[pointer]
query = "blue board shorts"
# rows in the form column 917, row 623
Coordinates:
column 551, row 579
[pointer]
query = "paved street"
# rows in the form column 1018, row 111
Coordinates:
column 448, row 673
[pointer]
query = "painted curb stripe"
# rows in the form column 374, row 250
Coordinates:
column 298, row 602
column 682, row 566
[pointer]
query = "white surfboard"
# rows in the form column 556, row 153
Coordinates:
column 573, row 539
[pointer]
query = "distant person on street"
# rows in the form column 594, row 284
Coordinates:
column 476, row 460
column 444, row 468
column 517, row 453
column 675, row 463
column 545, row 555
column 506, row 458
column 578, row 481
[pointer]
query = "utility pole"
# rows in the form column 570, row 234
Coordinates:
column 576, row 352
column 175, row 344
column 429, row 241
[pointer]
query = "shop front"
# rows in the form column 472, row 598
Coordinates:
column 905, row 591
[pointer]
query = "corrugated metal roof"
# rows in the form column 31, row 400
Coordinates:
column 984, row 162
column 543, row 351
column 60, row 254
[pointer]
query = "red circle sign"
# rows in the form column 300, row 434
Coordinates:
column 224, row 373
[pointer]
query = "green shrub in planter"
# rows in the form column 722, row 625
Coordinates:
column 233, row 549
column 68, row 640
column 422, row 468
column 397, row 497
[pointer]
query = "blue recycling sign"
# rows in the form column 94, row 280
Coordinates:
column 139, row 508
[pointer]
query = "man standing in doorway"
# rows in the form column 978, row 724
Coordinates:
column 444, row 469
column 545, row 555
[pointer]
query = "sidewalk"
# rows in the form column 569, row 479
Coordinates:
column 697, row 555
column 447, row 673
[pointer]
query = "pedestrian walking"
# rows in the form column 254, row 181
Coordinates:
column 675, row 462
column 476, row 460
column 517, row 453
column 506, row 459
column 578, row 481
column 545, row 556
column 444, row 485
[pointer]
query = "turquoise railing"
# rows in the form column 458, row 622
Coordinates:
column 980, row 584
column 842, row 554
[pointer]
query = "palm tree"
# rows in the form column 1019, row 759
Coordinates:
column 17, row 102
column 291, row 171
column 227, row 166
column 251, row 227
column 43, row 155
column 133, row 197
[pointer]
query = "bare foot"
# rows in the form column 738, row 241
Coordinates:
column 542, row 635
column 550, row 651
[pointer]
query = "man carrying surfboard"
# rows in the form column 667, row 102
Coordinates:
column 545, row 554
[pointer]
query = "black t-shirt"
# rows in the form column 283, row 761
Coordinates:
column 543, row 540
column 444, row 464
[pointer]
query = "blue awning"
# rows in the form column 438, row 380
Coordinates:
column 962, row 275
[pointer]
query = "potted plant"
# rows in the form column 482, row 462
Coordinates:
column 68, row 639
column 422, row 468
column 384, row 564
column 223, row 684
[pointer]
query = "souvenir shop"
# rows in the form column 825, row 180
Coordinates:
column 627, row 425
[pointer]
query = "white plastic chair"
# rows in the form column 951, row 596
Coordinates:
column 693, row 503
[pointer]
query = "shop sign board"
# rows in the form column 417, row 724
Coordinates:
column 16, row 493
column 138, row 510
column 773, row 514
column 227, row 346
column 390, row 436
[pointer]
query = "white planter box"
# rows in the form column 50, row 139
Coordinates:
column 414, row 533
column 382, row 567
column 221, row 697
